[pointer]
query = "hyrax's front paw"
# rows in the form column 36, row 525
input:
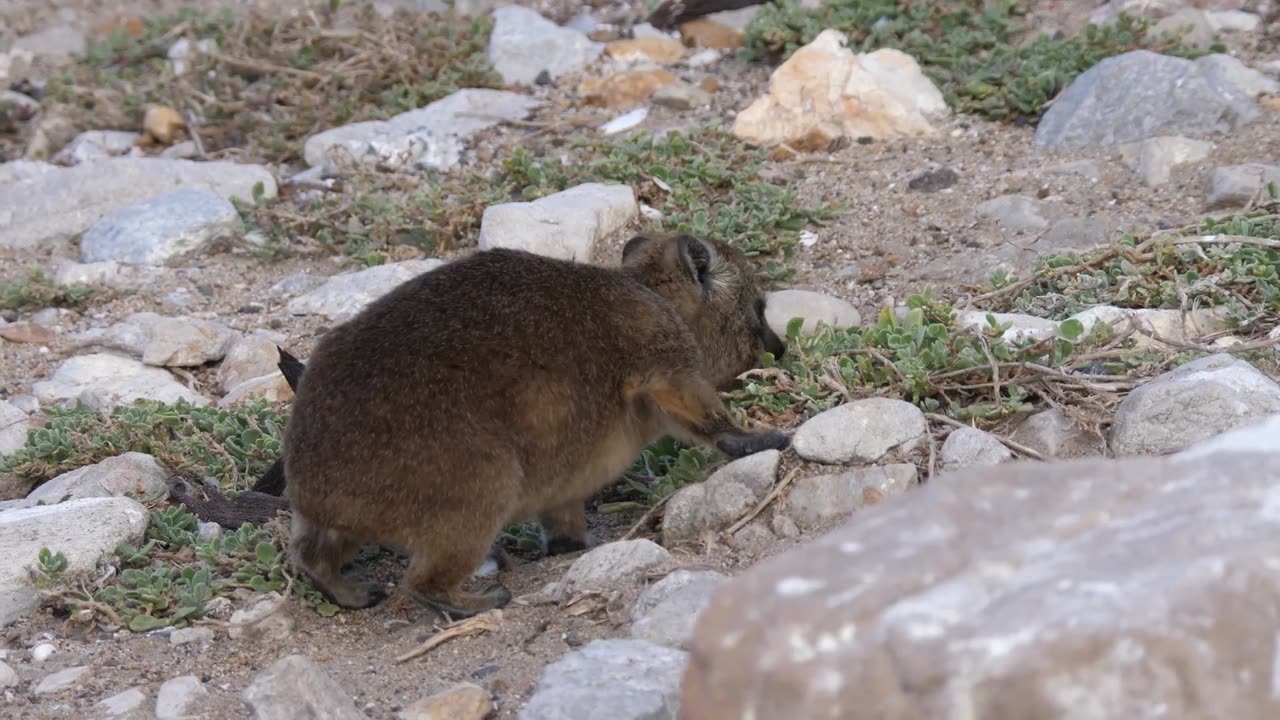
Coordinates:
column 738, row 446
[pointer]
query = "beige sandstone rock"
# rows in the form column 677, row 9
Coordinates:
column 463, row 701
column 1090, row 588
column 625, row 89
column 664, row 51
column 824, row 92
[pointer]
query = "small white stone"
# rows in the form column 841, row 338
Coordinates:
column 41, row 652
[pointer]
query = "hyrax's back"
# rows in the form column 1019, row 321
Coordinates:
column 494, row 388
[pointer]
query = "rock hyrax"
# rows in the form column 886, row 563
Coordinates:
column 506, row 386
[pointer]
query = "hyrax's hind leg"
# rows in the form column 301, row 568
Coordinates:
column 694, row 405
column 442, row 563
column 320, row 554
column 564, row 528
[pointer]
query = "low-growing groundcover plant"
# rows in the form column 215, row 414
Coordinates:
column 261, row 84
column 39, row 291
column 974, row 50
column 705, row 182
column 172, row 579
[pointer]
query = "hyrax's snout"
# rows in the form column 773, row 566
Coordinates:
column 773, row 344
column 768, row 338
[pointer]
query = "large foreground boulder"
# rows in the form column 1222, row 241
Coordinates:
column 1085, row 588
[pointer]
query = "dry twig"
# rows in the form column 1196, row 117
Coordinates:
column 768, row 500
column 1016, row 447
column 482, row 623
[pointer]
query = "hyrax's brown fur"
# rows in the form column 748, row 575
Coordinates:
column 507, row 386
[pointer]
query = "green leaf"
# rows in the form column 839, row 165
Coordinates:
column 793, row 327
column 144, row 623
column 266, row 553
column 1071, row 330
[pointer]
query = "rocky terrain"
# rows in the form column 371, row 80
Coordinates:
column 1025, row 256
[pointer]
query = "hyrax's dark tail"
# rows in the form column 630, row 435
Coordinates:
column 291, row 367
column 272, row 482
column 265, row 499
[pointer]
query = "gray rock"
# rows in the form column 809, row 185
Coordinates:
column 1257, row 436
column 719, row 500
column 671, row 583
column 971, row 447
column 59, row 204
column 96, row 145
column 51, row 132
column 1131, row 97
column 184, row 51
column 1193, row 24
column 1027, row 590
column 1230, row 71
column 129, row 704
column 83, row 530
column 753, row 539
column 524, row 44
column 757, row 472
column 103, row 381
column 685, row 516
column 249, row 356
column 1236, row 185
column 1171, row 324
column 814, row 307
column 666, row 611
column 1153, row 159
column 26, row 403
column 61, row 681
column 15, row 66
column 273, row 388
column 1073, row 233
column 1194, row 402
column 108, row 274
column 8, row 678
column 1022, row 327
column 566, row 225
column 681, row 96
column 163, row 229
column 132, row 474
column 344, row 295
column 23, row 170
column 180, row 697
column 15, row 104
column 184, row 150
column 191, row 635
column 296, row 284
column 56, row 42
column 603, row 567
column 784, row 527
column 1052, row 434
column 816, row 500
column 14, row 424
column 429, row 138
column 295, row 687
column 1231, row 21
column 610, row 680
column 1014, row 212
column 863, row 431
column 161, row 341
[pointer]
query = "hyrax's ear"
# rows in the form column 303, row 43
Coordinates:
column 634, row 244
column 697, row 258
